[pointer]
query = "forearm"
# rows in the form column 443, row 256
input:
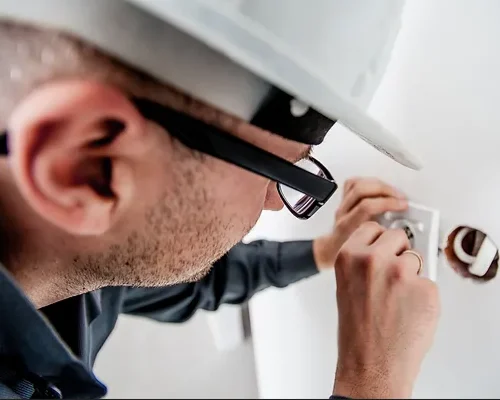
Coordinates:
column 234, row 279
column 249, row 268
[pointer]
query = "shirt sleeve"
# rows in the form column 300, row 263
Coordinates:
column 234, row 279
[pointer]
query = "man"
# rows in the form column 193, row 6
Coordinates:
column 114, row 202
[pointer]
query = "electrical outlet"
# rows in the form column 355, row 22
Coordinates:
column 421, row 225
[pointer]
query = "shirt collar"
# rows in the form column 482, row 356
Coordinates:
column 28, row 336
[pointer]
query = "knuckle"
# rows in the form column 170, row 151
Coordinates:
column 399, row 272
column 366, row 207
column 342, row 226
column 401, row 233
column 405, row 263
column 370, row 263
column 347, row 186
column 401, row 236
column 344, row 256
column 370, row 226
column 355, row 188
column 397, row 236
column 355, row 180
column 371, row 258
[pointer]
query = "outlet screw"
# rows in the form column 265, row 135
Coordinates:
column 409, row 233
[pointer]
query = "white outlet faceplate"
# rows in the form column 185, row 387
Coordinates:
column 422, row 225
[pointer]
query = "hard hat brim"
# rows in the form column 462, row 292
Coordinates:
column 249, row 45
column 172, row 39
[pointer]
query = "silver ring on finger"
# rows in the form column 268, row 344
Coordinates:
column 419, row 257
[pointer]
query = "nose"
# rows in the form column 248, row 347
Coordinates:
column 273, row 200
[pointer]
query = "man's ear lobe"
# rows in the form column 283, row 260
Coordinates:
column 73, row 146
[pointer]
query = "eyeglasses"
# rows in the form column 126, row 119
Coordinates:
column 304, row 186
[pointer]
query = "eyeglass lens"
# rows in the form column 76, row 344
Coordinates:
column 299, row 201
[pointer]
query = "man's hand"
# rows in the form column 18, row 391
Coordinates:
column 363, row 200
column 387, row 315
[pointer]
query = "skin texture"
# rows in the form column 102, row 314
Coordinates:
column 387, row 315
column 88, row 189
column 94, row 195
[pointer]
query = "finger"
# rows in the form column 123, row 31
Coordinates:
column 367, row 233
column 393, row 242
column 350, row 182
column 410, row 262
column 367, row 209
column 362, row 181
column 367, row 188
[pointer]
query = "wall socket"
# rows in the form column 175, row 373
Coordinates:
column 421, row 225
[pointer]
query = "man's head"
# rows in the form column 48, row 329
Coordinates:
column 90, row 180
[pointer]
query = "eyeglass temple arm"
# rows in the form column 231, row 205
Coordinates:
column 4, row 150
column 228, row 148
column 220, row 147
column 207, row 139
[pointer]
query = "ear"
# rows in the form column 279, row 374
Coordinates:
column 73, row 148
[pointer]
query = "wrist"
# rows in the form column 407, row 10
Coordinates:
column 325, row 252
column 365, row 384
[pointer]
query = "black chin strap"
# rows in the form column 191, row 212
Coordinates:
column 3, row 144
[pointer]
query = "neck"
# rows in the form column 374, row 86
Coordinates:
column 46, row 273
column 45, row 283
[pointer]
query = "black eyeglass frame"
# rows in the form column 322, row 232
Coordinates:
column 315, row 205
column 209, row 140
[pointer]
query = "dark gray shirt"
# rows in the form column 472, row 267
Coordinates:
column 50, row 353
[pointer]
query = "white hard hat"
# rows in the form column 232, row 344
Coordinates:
column 323, row 61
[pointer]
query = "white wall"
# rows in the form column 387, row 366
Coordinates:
column 441, row 95
column 146, row 359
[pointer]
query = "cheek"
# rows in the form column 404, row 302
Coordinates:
column 153, row 179
column 244, row 192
